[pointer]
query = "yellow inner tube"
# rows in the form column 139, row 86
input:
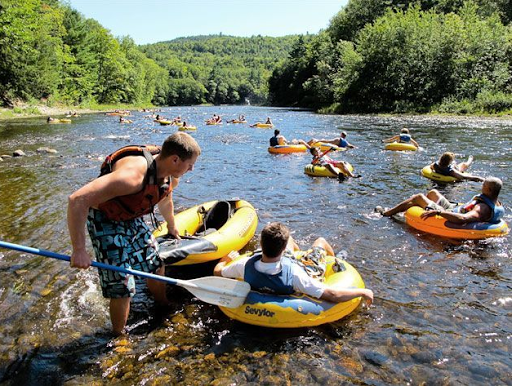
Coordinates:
column 437, row 225
column 328, row 146
column 233, row 235
column 187, row 128
column 397, row 146
column 264, row 125
column 429, row 173
column 322, row 171
column 299, row 310
column 60, row 121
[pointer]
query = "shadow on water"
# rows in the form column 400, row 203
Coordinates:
column 442, row 307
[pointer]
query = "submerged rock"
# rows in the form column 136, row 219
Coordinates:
column 18, row 153
column 46, row 150
column 373, row 357
column 170, row 351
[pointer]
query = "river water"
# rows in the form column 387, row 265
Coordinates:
column 442, row 308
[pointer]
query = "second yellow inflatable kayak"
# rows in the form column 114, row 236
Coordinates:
column 209, row 231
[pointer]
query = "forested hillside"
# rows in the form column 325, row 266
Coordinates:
column 403, row 56
column 219, row 69
column 51, row 52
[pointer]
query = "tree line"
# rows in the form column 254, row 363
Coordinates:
column 219, row 69
column 50, row 52
column 375, row 56
column 403, row 56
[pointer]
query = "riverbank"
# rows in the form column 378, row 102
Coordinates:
column 29, row 111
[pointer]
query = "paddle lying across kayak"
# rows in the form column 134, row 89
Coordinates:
column 215, row 290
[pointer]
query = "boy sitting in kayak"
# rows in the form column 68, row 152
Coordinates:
column 271, row 270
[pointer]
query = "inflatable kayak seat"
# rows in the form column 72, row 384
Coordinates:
column 215, row 218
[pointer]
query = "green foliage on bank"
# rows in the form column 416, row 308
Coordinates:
column 51, row 52
column 401, row 56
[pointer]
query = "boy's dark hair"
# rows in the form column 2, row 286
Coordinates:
column 180, row 144
column 273, row 239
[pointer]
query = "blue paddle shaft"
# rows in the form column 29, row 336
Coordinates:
column 96, row 264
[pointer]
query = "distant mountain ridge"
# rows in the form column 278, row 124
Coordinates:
column 219, row 68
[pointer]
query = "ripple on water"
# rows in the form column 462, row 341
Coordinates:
column 442, row 308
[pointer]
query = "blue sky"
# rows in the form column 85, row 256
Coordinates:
column 151, row 21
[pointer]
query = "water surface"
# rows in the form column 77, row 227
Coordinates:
column 442, row 308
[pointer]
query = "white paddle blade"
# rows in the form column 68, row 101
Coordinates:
column 218, row 290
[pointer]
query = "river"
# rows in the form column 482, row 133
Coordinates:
column 442, row 307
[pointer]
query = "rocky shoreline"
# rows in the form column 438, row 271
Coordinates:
column 21, row 153
column 44, row 111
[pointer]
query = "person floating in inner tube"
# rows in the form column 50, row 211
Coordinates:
column 483, row 207
column 403, row 137
column 280, row 140
column 448, row 167
column 132, row 181
column 341, row 141
column 339, row 168
column 267, row 122
column 272, row 270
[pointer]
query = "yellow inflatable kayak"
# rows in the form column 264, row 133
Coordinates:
column 209, row 231
column 397, row 146
column 322, row 171
column 287, row 149
column 437, row 225
column 429, row 173
column 299, row 310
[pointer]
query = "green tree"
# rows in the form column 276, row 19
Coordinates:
column 30, row 49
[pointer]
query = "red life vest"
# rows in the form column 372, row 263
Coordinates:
column 135, row 205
